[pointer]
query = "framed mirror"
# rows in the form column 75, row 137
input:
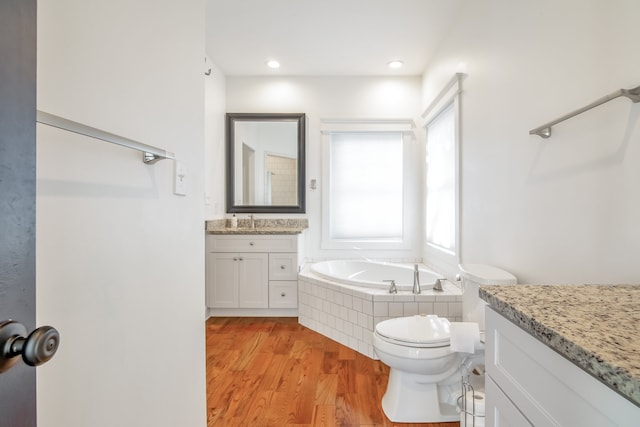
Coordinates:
column 265, row 163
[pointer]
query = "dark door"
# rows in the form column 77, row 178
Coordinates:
column 17, row 197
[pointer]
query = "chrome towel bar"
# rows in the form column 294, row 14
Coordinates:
column 544, row 131
column 150, row 154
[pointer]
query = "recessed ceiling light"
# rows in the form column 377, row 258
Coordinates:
column 395, row 64
column 272, row 63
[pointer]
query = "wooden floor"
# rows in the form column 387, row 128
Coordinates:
column 273, row 372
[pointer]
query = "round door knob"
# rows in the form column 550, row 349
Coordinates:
column 38, row 348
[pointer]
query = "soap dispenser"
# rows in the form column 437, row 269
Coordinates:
column 234, row 221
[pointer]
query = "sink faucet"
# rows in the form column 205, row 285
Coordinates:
column 253, row 224
column 416, row 280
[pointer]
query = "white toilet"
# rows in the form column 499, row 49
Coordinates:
column 424, row 377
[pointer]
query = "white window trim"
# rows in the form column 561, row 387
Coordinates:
column 441, row 259
column 327, row 127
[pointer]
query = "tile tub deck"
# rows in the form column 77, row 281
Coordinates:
column 348, row 314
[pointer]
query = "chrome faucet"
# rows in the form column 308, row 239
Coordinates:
column 253, row 223
column 438, row 285
column 416, row 280
column 392, row 289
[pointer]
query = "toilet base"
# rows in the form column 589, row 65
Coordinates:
column 408, row 400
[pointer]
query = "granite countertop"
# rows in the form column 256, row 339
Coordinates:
column 262, row 226
column 597, row 327
column 257, row 230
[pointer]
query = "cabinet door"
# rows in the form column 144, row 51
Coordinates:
column 222, row 280
column 253, row 280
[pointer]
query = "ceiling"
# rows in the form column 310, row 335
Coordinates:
column 325, row 37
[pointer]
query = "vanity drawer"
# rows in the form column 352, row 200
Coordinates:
column 283, row 266
column 252, row 243
column 283, row 294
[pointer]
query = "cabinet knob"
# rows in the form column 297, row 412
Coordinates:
column 251, row 243
column 241, row 259
column 283, row 294
column 235, row 259
column 282, row 267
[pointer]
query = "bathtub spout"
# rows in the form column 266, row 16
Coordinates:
column 416, row 280
column 392, row 288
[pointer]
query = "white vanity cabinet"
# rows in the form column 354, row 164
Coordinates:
column 529, row 384
column 252, row 275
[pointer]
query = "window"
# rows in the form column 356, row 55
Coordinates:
column 366, row 186
column 442, row 248
column 440, row 204
column 442, row 178
column 370, row 185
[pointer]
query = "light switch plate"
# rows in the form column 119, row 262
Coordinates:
column 180, row 179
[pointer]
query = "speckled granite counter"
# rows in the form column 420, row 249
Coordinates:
column 262, row 226
column 597, row 327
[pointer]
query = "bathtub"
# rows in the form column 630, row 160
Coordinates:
column 370, row 274
column 344, row 300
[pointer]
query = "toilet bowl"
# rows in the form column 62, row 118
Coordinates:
column 425, row 376
column 424, row 371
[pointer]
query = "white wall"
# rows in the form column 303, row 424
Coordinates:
column 333, row 97
column 214, row 145
column 564, row 209
column 120, row 269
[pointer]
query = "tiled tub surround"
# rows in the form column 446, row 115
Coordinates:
column 262, row 226
column 348, row 314
column 593, row 326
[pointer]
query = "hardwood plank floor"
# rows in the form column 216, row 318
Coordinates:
column 273, row 372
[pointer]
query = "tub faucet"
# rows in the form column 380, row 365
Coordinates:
column 416, row 280
column 392, row 289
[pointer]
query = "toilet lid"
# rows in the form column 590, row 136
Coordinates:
column 426, row 330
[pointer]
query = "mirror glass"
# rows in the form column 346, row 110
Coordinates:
column 265, row 163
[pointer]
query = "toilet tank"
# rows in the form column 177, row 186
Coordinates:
column 474, row 275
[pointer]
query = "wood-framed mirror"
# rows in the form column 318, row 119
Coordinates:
column 265, row 162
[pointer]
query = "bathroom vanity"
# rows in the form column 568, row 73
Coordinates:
column 562, row 355
column 253, row 271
